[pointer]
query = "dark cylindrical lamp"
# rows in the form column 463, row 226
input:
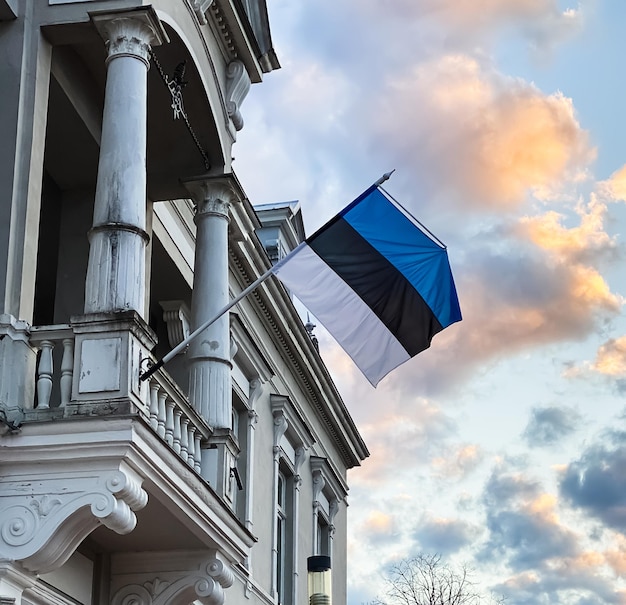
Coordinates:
column 320, row 586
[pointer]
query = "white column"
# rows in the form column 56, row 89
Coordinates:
column 116, row 270
column 209, row 353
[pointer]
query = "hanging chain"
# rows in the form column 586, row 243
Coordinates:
column 175, row 86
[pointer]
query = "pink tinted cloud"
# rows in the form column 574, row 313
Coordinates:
column 409, row 430
column 570, row 244
column 458, row 462
column 611, row 358
column 614, row 188
column 487, row 138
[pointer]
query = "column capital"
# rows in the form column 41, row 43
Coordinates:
column 130, row 33
column 214, row 194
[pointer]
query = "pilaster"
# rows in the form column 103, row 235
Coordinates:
column 17, row 365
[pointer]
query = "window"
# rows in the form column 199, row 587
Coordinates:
column 284, row 536
column 329, row 491
column 323, row 536
column 292, row 438
column 281, row 521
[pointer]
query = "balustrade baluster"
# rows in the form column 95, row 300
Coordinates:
column 67, row 370
column 177, row 431
column 162, row 414
column 184, row 439
column 169, row 422
column 44, row 375
column 197, row 459
column 154, row 404
column 191, row 445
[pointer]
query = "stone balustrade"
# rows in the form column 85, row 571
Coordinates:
column 165, row 407
column 173, row 419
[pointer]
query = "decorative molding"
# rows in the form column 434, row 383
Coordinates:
column 176, row 315
column 300, row 457
column 299, row 433
column 256, row 390
column 237, row 88
column 223, row 29
column 318, row 485
column 213, row 195
column 280, row 426
column 130, row 33
column 200, row 7
column 43, row 529
column 204, row 583
column 333, row 486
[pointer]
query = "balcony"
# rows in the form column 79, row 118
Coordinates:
column 161, row 404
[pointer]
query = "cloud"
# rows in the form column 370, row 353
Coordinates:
column 522, row 520
column 401, row 438
column 614, row 188
column 459, row 462
column 582, row 243
column 550, row 425
column 379, row 527
column 596, row 482
column 488, row 137
column 465, row 20
column 611, row 358
column 444, row 536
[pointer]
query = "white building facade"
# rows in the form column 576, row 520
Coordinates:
column 122, row 229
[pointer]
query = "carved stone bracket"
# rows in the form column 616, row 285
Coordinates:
column 200, row 7
column 280, row 426
column 176, row 315
column 237, row 87
column 202, row 581
column 256, row 390
column 42, row 528
column 318, row 485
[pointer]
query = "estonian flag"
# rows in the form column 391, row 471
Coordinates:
column 376, row 281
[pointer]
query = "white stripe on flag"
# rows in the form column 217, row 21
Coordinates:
column 339, row 309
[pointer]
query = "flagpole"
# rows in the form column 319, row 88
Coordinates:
column 255, row 284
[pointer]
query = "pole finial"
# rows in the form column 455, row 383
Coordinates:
column 384, row 178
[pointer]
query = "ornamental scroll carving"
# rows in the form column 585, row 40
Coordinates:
column 203, row 583
column 237, row 87
column 43, row 530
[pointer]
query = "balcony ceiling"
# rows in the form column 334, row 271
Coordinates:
column 75, row 115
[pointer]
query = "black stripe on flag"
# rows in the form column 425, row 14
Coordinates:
column 383, row 288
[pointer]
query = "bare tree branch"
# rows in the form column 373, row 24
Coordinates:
column 427, row 580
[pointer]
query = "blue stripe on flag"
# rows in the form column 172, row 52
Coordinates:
column 401, row 241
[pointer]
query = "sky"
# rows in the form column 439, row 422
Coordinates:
column 503, row 446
